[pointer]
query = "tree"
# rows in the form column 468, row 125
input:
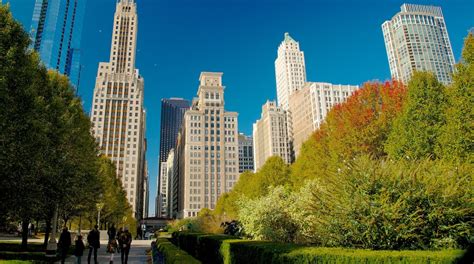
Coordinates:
column 456, row 140
column 357, row 126
column 416, row 130
column 24, row 95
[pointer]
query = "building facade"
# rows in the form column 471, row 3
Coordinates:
column 208, row 156
column 172, row 112
column 55, row 32
column 310, row 105
column 246, row 162
column 417, row 38
column 290, row 70
column 165, row 190
column 118, row 115
column 270, row 135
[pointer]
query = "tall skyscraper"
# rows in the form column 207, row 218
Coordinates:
column 246, row 162
column 207, row 149
column 310, row 105
column 165, row 187
column 290, row 70
column 270, row 135
column 416, row 38
column 172, row 112
column 55, row 33
column 118, row 115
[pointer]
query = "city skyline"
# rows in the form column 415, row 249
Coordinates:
column 320, row 67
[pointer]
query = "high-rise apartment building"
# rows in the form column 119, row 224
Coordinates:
column 417, row 38
column 245, row 153
column 118, row 115
column 270, row 135
column 165, row 189
column 55, row 32
column 172, row 112
column 310, row 105
column 290, row 70
column 208, row 149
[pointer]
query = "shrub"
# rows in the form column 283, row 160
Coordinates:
column 172, row 254
column 227, row 249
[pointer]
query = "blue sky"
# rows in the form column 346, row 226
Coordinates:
column 177, row 39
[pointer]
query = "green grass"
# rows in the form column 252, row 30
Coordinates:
column 14, row 262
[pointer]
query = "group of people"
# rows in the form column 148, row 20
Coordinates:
column 118, row 242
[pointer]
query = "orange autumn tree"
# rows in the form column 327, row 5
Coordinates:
column 357, row 126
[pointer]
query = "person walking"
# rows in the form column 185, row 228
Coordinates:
column 64, row 244
column 79, row 249
column 126, row 239
column 119, row 248
column 93, row 239
column 112, row 232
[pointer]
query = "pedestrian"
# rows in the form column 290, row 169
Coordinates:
column 93, row 239
column 64, row 244
column 79, row 249
column 111, row 248
column 33, row 230
column 119, row 248
column 126, row 239
column 112, row 232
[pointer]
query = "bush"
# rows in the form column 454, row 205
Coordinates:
column 227, row 249
column 172, row 254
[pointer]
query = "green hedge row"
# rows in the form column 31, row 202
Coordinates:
column 172, row 254
column 228, row 249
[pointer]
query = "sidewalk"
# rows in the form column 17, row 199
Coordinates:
column 137, row 253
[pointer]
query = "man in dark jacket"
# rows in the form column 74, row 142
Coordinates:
column 64, row 244
column 94, row 243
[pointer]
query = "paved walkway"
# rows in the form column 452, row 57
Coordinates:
column 138, row 253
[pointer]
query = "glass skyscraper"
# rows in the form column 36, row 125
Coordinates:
column 55, row 33
column 172, row 112
column 416, row 38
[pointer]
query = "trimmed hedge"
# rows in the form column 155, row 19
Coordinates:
column 172, row 254
column 228, row 249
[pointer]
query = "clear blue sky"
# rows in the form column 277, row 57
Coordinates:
column 177, row 39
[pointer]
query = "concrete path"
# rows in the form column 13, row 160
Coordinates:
column 138, row 253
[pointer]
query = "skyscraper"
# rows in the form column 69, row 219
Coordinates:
column 118, row 115
column 55, row 33
column 172, row 112
column 207, row 149
column 310, row 105
column 290, row 70
column 270, row 135
column 416, row 38
column 246, row 162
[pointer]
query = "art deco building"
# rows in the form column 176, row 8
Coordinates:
column 55, row 32
column 290, row 70
column 245, row 153
column 417, row 38
column 270, row 135
column 118, row 114
column 208, row 158
column 310, row 105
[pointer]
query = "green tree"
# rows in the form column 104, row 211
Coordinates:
column 24, row 95
column 416, row 130
column 456, row 141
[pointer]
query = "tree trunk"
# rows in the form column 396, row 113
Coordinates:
column 24, row 234
column 48, row 230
